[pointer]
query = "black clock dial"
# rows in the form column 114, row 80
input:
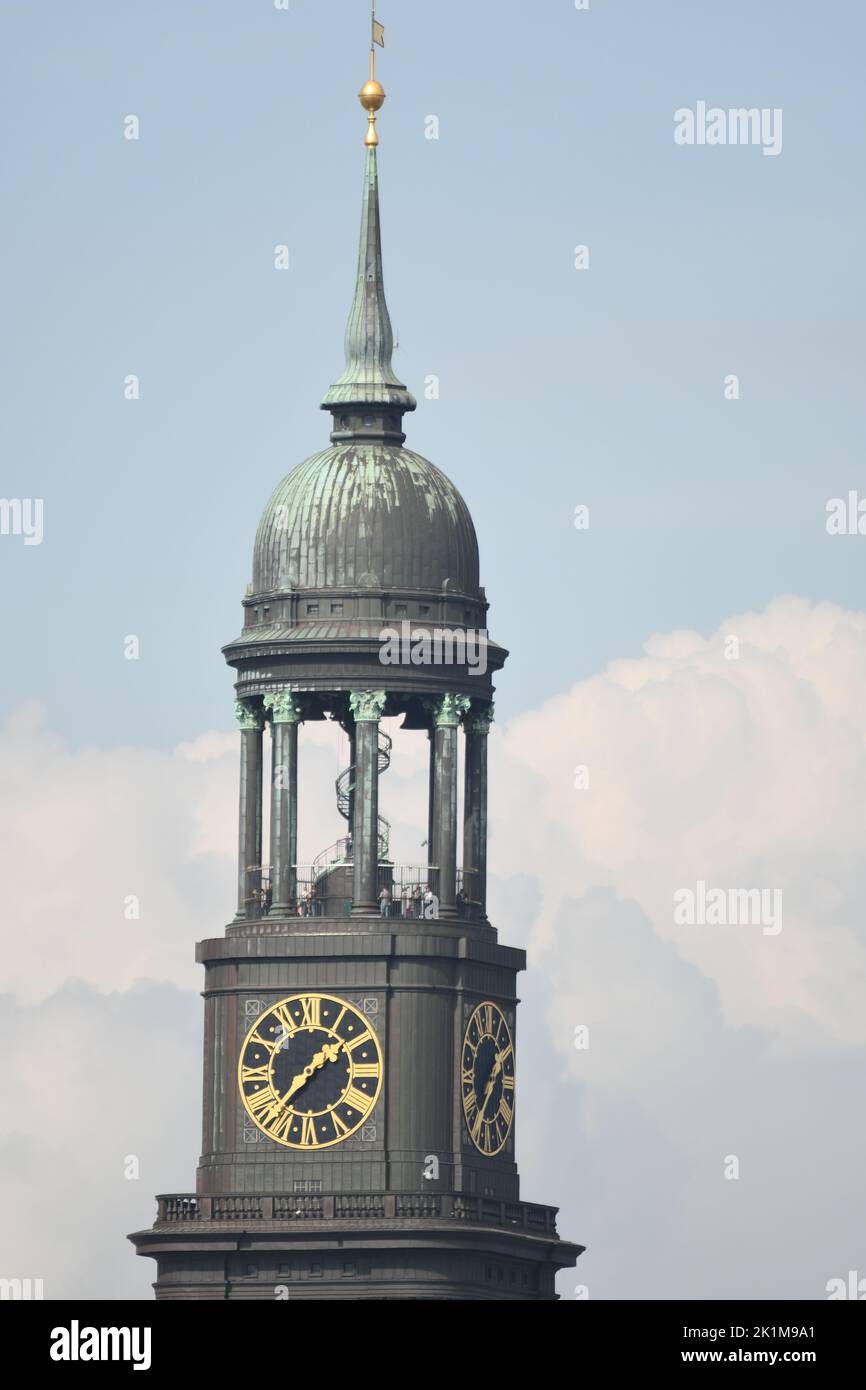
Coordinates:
column 487, row 1078
column 310, row 1071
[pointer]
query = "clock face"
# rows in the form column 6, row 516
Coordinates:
column 310, row 1071
column 487, row 1078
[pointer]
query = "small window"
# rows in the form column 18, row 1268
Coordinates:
column 312, row 609
column 424, row 609
column 350, row 1270
column 315, row 1271
column 368, row 422
column 266, row 613
column 252, row 1269
column 337, row 609
column 401, row 608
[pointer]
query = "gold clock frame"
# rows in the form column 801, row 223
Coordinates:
column 471, row 1096
column 308, row 998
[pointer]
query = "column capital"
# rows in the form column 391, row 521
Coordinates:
column 283, row 707
column 367, row 706
column 449, row 710
column 478, row 721
column 249, row 715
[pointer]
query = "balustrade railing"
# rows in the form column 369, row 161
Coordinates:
column 356, row 1206
column 324, row 889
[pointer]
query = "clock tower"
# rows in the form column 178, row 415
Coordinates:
column 360, row 1029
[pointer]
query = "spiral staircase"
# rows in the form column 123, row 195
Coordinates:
column 340, row 852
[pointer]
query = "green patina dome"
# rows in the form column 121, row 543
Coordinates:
column 367, row 513
column 366, row 516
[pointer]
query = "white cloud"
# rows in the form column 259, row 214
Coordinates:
column 743, row 774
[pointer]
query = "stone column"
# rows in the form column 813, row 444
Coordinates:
column 447, row 714
column 351, row 788
column 431, row 811
column 367, row 707
column 476, row 725
column 251, row 720
column 285, row 716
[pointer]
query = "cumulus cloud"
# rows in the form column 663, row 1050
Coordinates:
column 740, row 773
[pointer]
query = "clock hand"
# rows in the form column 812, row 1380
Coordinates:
column 491, row 1082
column 329, row 1053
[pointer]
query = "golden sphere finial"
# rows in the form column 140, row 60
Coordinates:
column 371, row 97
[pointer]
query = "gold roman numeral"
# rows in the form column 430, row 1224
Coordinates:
column 281, row 1124
column 363, row 1069
column 255, row 1074
column 264, row 1105
column 311, row 1006
column 356, row 1099
column 361, row 1038
column 308, row 1131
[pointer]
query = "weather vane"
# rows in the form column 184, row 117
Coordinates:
column 372, row 94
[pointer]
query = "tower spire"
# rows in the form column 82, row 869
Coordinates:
column 369, row 379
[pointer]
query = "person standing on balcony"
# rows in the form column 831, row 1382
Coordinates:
column 385, row 902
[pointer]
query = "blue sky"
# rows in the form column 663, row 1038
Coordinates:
column 558, row 387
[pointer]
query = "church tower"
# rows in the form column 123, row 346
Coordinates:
column 360, row 1035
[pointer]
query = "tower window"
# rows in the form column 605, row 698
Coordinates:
column 401, row 608
column 312, row 609
column 337, row 609
column 424, row 609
